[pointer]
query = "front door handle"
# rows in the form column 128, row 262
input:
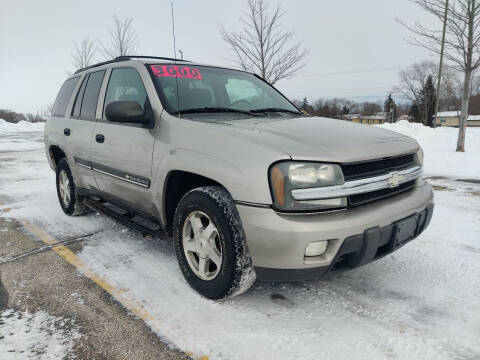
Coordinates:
column 66, row 132
column 99, row 138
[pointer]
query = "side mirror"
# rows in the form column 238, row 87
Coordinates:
column 126, row 112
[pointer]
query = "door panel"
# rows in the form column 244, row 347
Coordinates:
column 79, row 140
column 122, row 153
column 80, row 149
column 123, row 163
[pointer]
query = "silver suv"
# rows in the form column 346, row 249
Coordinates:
column 249, row 186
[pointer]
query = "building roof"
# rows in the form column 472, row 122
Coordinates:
column 376, row 117
column 360, row 116
column 350, row 116
column 446, row 114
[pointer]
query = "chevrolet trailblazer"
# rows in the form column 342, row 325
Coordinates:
column 248, row 185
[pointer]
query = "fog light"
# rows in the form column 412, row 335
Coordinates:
column 316, row 248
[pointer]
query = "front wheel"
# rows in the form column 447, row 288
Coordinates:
column 210, row 244
column 70, row 202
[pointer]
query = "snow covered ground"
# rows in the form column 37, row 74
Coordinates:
column 439, row 146
column 419, row 303
column 35, row 336
column 21, row 126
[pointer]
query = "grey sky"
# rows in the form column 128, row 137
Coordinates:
column 356, row 47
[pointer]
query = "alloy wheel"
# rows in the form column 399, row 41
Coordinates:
column 202, row 245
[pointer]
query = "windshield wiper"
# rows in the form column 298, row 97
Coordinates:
column 273, row 109
column 213, row 110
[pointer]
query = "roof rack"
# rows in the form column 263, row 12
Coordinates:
column 100, row 64
column 125, row 58
column 128, row 57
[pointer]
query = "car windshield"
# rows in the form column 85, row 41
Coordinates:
column 198, row 89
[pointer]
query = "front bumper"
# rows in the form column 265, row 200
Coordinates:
column 277, row 242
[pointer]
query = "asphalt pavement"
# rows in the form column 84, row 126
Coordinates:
column 35, row 278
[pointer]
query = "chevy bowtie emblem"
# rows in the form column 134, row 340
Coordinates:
column 395, row 180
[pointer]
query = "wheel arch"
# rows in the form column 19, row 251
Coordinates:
column 177, row 184
column 55, row 153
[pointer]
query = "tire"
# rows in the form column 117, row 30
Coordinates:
column 235, row 275
column 76, row 205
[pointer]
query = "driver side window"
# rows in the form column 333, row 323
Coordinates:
column 125, row 84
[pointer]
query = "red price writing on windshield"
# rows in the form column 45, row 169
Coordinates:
column 178, row 71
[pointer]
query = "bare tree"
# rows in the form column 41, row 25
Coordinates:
column 462, row 44
column 123, row 39
column 413, row 79
column 263, row 46
column 49, row 110
column 83, row 54
column 334, row 107
column 370, row 108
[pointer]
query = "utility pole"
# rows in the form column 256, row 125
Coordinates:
column 437, row 98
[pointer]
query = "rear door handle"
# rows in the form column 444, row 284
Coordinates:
column 66, row 132
column 99, row 138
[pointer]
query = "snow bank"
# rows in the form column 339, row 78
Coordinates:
column 20, row 126
column 439, row 146
column 419, row 303
column 35, row 336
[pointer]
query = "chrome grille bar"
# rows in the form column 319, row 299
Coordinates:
column 360, row 186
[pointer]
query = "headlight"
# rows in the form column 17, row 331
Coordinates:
column 419, row 156
column 287, row 176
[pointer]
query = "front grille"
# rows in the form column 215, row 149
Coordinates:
column 366, row 169
column 360, row 199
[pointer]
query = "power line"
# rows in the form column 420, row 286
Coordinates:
column 354, row 71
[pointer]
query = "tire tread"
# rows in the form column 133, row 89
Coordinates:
column 244, row 275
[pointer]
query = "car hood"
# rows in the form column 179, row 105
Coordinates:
column 322, row 139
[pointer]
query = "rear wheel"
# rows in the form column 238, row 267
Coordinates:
column 210, row 244
column 70, row 202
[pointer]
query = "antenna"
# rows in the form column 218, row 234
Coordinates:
column 173, row 32
column 175, row 55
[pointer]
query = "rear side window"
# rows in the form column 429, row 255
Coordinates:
column 90, row 97
column 125, row 84
column 78, row 101
column 64, row 96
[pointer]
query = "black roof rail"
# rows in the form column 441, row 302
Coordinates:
column 127, row 57
column 100, row 64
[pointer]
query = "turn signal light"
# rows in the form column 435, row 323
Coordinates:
column 278, row 184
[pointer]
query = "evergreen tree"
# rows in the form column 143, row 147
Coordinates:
column 426, row 104
column 415, row 114
column 304, row 103
column 345, row 110
column 305, row 106
column 388, row 107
